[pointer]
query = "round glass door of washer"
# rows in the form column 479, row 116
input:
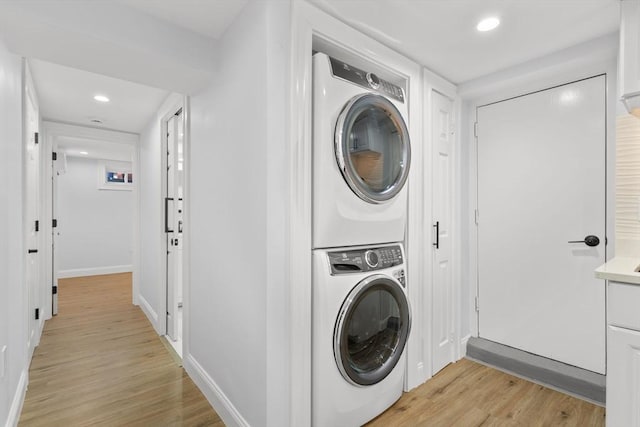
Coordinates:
column 372, row 147
column 371, row 330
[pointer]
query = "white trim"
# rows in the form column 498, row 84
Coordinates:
column 310, row 23
column 52, row 131
column 85, row 132
column 456, row 229
column 151, row 314
column 169, row 107
column 186, row 232
column 94, row 271
column 135, row 256
column 221, row 404
column 18, row 400
column 299, row 244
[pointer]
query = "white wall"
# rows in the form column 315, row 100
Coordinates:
column 95, row 226
column 13, row 305
column 239, row 343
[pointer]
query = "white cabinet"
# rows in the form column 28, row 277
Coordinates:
column 623, row 355
column 629, row 60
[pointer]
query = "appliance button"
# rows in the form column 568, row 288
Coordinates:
column 373, row 80
column 371, row 258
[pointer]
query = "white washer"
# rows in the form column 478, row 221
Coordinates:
column 361, row 156
column 361, row 323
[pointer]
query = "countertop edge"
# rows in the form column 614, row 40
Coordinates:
column 620, row 269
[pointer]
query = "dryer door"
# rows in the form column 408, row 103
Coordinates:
column 372, row 147
column 371, row 330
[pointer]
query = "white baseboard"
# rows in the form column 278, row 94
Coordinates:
column 18, row 400
column 149, row 312
column 95, row 271
column 463, row 346
column 222, row 405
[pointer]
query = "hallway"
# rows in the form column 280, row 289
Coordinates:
column 100, row 362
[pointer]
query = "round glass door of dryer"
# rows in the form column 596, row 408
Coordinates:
column 372, row 147
column 371, row 330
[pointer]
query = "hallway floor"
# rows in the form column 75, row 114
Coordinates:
column 100, row 362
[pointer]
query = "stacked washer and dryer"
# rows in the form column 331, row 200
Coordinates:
column 361, row 315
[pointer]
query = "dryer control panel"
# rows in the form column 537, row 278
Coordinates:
column 369, row 80
column 364, row 260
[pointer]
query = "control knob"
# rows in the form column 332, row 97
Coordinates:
column 373, row 80
column 371, row 259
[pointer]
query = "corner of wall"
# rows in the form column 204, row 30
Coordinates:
column 150, row 313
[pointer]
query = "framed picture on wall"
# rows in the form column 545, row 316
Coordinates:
column 115, row 176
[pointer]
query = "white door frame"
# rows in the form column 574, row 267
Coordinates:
column 173, row 104
column 180, row 103
column 36, row 293
column 313, row 27
column 52, row 132
column 593, row 58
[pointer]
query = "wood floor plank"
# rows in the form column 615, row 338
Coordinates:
column 101, row 363
column 466, row 393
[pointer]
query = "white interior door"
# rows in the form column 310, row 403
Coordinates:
column 57, row 167
column 443, row 138
column 32, row 224
column 174, row 207
column 541, row 185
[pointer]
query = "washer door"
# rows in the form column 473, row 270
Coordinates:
column 372, row 147
column 371, row 330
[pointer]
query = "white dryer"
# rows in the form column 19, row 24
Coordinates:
column 361, row 156
column 361, row 323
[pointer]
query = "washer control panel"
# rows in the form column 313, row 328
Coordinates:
column 364, row 260
column 368, row 80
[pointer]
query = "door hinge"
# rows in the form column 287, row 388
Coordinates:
column 37, row 313
column 36, row 137
column 476, row 216
column 475, row 129
column 477, row 304
column 54, row 290
column 54, row 223
column 37, row 225
column 54, row 155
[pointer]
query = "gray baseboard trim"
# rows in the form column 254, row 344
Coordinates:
column 557, row 375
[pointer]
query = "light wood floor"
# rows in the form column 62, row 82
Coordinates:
column 468, row 394
column 100, row 363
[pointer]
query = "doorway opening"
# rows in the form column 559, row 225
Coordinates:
column 173, row 223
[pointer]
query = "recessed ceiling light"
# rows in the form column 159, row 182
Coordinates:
column 488, row 24
column 84, row 152
column 101, row 98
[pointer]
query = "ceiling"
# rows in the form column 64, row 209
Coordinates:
column 66, row 95
column 172, row 45
column 94, row 149
column 209, row 18
column 441, row 34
